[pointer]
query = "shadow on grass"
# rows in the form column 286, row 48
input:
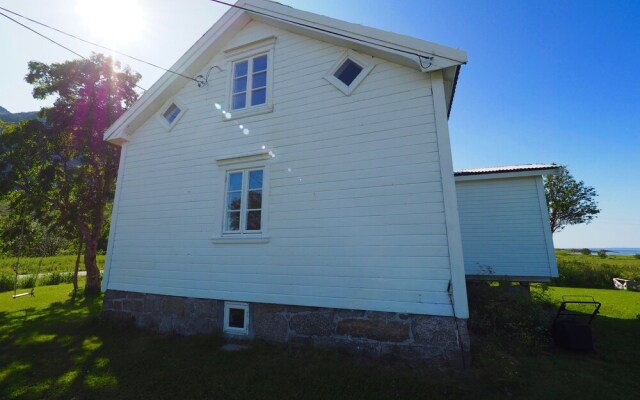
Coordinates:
column 65, row 351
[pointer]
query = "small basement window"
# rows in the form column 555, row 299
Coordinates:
column 171, row 112
column 349, row 71
column 236, row 318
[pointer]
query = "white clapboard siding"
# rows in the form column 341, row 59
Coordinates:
column 503, row 228
column 356, row 213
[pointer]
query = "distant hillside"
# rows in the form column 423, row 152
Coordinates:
column 7, row 116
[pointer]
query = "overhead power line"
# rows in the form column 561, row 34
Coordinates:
column 86, row 41
column 420, row 56
column 40, row 34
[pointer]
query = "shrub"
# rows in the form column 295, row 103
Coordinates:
column 637, row 256
column 515, row 319
column 585, row 252
column 602, row 253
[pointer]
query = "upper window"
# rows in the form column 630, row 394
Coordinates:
column 171, row 112
column 250, row 78
column 349, row 71
column 249, row 87
column 243, row 201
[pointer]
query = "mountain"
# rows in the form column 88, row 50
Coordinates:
column 7, row 116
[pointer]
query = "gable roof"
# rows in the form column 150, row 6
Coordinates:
column 408, row 51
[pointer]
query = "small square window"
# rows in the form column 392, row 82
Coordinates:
column 236, row 318
column 172, row 112
column 348, row 72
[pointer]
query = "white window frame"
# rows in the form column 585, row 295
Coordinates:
column 365, row 62
column 228, row 305
column 243, row 162
column 241, row 53
column 169, row 125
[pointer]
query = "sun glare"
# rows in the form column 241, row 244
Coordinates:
column 113, row 22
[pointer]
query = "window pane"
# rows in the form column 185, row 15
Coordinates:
column 240, row 85
column 348, row 72
column 240, row 68
column 255, row 199
column 258, row 97
column 255, row 179
column 234, row 200
column 232, row 222
column 260, row 63
column 259, row 80
column 235, row 181
column 236, row 318
column 253, row 220
column 171, row 113
column 239, row 101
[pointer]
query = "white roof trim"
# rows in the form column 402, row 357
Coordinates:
column 212, row 42
column 512, row 171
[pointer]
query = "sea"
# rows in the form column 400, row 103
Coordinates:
column 617, row 251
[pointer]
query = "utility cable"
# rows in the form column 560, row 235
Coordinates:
column 53, row 41
column 89, row 42
column 420, row 56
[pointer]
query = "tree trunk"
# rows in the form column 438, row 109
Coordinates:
column 77, row 267
column 92, row 287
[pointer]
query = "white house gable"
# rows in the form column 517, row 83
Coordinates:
column 354, row 214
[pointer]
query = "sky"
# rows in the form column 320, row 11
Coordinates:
column 546, row 81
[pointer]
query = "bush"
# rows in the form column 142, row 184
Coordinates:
column 510, row 316
column 637, row 256
column 585, row 252
column 574, row 273
column 602, row 253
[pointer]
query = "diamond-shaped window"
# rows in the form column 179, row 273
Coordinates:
column 349, row 71
column 171, row 112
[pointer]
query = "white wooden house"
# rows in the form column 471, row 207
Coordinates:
column 302, row 190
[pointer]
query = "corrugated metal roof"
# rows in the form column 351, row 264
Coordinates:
column 504, row 169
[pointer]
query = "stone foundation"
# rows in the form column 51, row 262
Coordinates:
column 409, row 337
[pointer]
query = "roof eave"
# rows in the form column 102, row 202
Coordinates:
column 506, row 174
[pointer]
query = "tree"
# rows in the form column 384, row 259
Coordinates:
column 75, row 169
column 570, row 202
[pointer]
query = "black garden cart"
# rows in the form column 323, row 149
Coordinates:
column 571, row 327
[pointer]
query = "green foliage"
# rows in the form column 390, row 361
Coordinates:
column 637, row 256
column 63, row 172
column 602, row 253
column 509, row 314
column 29, row 265
column 570, row 202
column 593, row 272
column 585, row 252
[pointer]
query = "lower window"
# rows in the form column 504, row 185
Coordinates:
column 236, row 318
column 243, row 201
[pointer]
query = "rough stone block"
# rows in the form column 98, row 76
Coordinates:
column 267, row 308
column 350, row 313
column 135, row 295
column 270, row 327
column 374, row 330
column 428, row 329
column 312, row 324
column 153, row 303
column 348, row 346
column 299, row 309
column 137, row 306
column 173, row 305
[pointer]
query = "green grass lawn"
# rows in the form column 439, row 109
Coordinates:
column 52, row 346
column 578, row 270
column 29, row 265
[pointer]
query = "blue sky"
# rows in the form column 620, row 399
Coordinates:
column 547, row 81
